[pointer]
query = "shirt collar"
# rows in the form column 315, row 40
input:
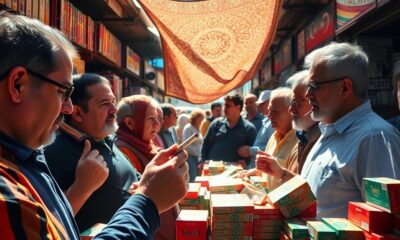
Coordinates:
column 20, row 151
column 347, row 120
column 287, row 135
column 239, row 123
column 79, row 136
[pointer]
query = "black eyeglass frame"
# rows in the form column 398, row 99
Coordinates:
column 315, row 85
column 68, row 90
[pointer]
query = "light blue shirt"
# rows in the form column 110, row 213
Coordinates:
column 263, row 135
column 358, row 145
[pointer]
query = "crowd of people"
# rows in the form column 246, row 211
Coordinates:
column 72, row 156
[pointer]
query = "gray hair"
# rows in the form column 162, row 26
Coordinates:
column 299, row 78
column 343, row 60
column 284, row 92
column 30, row 43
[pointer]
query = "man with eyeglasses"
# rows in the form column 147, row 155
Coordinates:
column 355, row 142
column 307, row 133
column 35, row 85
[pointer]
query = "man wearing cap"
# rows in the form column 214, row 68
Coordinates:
column 263, row 134
column 252, row 114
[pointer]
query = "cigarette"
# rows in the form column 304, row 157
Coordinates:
column 186, row 143
column 308, row 113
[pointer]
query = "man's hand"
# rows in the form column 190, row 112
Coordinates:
column 165, row 179
column 267, row 164
column 91, row 172
column 244, row 151
column 248, row 173
column 133, row 187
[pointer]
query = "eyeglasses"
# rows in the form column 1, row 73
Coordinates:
column 315, row 85
column 68, row 90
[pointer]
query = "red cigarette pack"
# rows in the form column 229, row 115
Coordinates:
column 191, row 225
column 370, row 218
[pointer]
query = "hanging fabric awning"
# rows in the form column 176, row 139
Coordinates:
column 212, row 46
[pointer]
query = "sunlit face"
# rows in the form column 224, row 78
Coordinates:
column 100, row 119
column 281, row 120
column 216, row 112
column 250, row 104
column 263, row 107
column 151, row 123
column 325, row 100
column 231, row 110
column 48, row 105
column 160, row 116
column 300, row 109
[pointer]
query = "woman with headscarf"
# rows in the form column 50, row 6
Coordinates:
column 138, row 125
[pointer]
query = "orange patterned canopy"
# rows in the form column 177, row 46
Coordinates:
column 212, row 46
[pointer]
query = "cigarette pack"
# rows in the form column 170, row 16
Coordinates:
column 231, row 203
column 230, row 237
column 267, row 223
column 192, row 225
column 264, row 229
column 203, row 180
column 295, row 228
column 309, row 212
column 267, row 209
column 376, row 236
column 370, row 218
column 383, row 193
column 319, row 231
column 259, row 181
column 219, row 185
column 216, row 167
column 344, row 229
column 266, row 236
column 193, row 192
column 231, row 225
column 89, row 233
column 239, row 217
column 292, row 197
column 233, row 232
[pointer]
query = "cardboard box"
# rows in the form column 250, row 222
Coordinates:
column 383, row 193
column 376, row 236
column 369, row 218
column 319, row 231
column 295, row 228
column 292, row 197
column 192, row 225
column 231, row 203
column 89, row 233
column 344, row 229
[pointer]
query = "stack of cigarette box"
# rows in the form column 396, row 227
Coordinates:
column 231, row 216
column 192, row 225
column 344, row 229
column 377, row 217
column 295, row 229
column 212, row 168
column 292, row 197
column 320, row 231
column 267, row 222
column 194, row 198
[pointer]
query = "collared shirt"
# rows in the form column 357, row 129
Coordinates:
column 257, row 120
column 63, row 156
column 169, row 137
column 300, row 151
column 358, row 145
column 263, row 135
column 280, row 148
column 222, row 141
column 32, row 165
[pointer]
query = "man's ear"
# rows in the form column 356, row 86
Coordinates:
column 17, row 84
column 77, row 113
column 129, row 123
column 347, row 88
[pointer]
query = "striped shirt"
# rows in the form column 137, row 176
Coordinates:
column 31, row 203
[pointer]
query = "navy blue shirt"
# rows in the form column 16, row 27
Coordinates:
column 222, row 142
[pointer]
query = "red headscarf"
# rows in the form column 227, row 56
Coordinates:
column 138, row 105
